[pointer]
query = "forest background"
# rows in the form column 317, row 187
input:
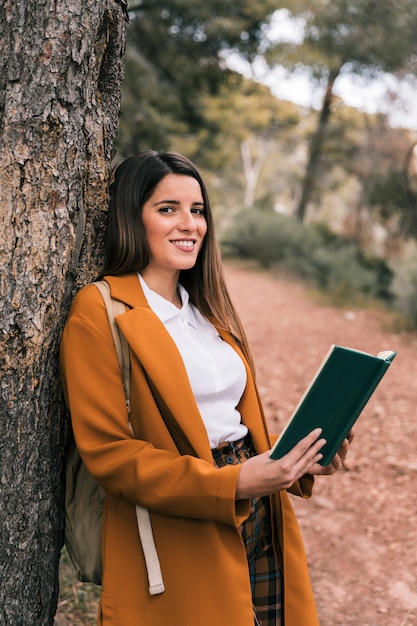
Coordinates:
column 328, row 194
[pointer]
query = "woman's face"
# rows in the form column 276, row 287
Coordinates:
column 175, row 224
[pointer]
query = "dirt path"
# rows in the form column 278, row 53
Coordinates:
column 360, row 526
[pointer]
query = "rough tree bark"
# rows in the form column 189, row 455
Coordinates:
column 60, row 73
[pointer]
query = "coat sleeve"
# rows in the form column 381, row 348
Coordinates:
column 134, row 470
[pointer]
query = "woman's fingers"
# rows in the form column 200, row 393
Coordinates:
column 309, row 444
column 308, row 448
column 337, row 461
column 260, row 475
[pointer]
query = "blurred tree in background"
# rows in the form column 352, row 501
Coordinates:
column 365, row 37
column 249, row 123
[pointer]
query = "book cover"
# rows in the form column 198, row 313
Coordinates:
column 335, row 398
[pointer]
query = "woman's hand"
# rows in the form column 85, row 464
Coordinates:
column 260, row 475
column 337, row 462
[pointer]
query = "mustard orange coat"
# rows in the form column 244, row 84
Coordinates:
column 167, row 467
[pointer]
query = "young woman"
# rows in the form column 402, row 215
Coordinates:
column 198, row 458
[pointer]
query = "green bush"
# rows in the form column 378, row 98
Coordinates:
column 330, row 262
column 268, row 237
column 341, row 271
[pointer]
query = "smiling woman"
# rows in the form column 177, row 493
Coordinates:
column 196, row 452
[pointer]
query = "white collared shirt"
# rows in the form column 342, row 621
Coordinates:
column 216, row 372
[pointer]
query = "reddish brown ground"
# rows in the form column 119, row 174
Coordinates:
column 360, row 526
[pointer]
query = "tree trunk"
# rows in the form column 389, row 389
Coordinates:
column 252, row 167
column 60, row 74
column 315, row 148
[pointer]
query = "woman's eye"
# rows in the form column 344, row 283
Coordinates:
column 166, row 209
column 197, row 211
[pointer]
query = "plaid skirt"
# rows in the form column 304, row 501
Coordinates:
column 264, row 572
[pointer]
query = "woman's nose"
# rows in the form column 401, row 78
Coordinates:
column 187, row 221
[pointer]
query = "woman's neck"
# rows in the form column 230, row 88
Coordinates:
column 165, row 286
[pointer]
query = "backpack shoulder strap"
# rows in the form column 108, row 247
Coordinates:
column 115, row 307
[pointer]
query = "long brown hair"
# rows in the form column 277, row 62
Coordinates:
column 127, row 248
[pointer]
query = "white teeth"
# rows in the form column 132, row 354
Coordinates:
column 187, row 244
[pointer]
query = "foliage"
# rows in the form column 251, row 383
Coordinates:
column 330, row 262
column 363, row 36
column 393, row 195
column 383, row 163
column 174, row 56
column 245, row 124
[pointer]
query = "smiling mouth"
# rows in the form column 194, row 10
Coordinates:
column 184, row 243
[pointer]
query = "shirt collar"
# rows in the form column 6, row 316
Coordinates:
column 164, row 309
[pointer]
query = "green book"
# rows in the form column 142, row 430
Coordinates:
column 335, row 398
